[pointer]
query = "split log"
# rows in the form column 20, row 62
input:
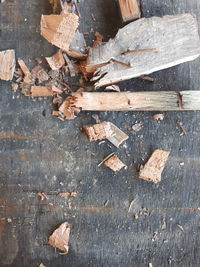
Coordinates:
column 145, row 46
column 59, row 29
column 154, row 167
column 129, row 101
column 7, row 64
column 130, row 10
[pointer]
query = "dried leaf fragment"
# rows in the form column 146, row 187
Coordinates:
column 59, row 29
column 56, row 61
column 7, row 64
column 114, row 163
column 60, row 237
column 154, row 167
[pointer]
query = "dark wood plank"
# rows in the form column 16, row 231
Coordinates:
column 39, row 153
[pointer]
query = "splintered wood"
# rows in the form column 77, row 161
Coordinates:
column 154, row 167
column 7, row 64
column 26, row 71
column 60, row 237
column 130, row 10
column 126, row 101
column 114, row 163
column 106, row 130
column 156, row 43
column 59, row 29
column 56, row 61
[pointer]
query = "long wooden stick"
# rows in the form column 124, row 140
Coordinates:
column 125, row 101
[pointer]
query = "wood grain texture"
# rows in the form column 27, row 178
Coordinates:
column 129, row 101
column 7, row 64
column 174, row 37
column 130, row 10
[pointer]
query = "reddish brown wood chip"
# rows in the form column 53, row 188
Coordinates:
column 41, row 91
column 60, row 237
column 56, row 61
column 98, row 131
column 158, row 117
column 7, row 64
column 154, row 167
column 114, row 163
column 59, row 29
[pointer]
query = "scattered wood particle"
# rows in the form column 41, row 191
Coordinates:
column 114, row 163
column 96, row 118
column 180, row 227
column 7, row 64
column 42, row 196
column 114, row 88
column 42, row 265
column 182, row 130
column 98, row 131
column 26, row 71
column 158, row 116
column 67, row 110
column 93, row 17
column 154, row 167
column 70, row 66
column 67, row 194
column 99, row 39
column 137, row 127
column 59, row 29
column 106, row 203
column 105, row 130
column 56, row 61
column 131, row 205
column 60, row 237
column 41, row 91
column 39, row 74
column 38, row 60
column 130, row 10
column 14, row 87
column 147, row 78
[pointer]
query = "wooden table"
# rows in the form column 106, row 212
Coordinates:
column 39, row 153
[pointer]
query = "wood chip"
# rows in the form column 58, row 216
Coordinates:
column 56, row 61
column 158, row 117
column 67, row 194
column 114, row 163
column 7, row 64
column 67, row 110
column 178, row 44
column 42, row 196
column 14, row 87
column 130, row 10
column 113, row 88
column 70, row 66
column 39, row 74
column 59, row 29
column 60, row 237
column 41, row 91
column 154, row 167
column 42, row 265
column 26, row 71
column 105, row 130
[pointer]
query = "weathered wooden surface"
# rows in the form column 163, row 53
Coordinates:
column 157, row 43
column 38, row 152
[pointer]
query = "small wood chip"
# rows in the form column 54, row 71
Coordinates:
column 114, row 88
column 7, row 64
column 158, row 117
column 41, row 91
column 59, row 29
column 14, row 87
column 56, row 61
column 154, row 167
column 39, row 74
column 60, row 237
column 67, row 194
column 42, row 265
column 114, row 163
column 26, row 71
column 42, row 196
